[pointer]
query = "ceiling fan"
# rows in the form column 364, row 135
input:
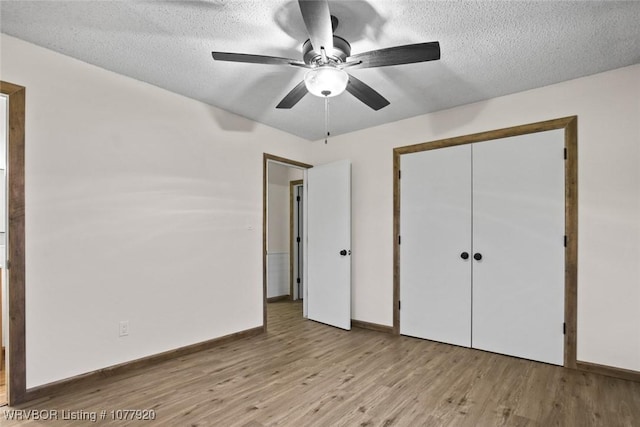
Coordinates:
column 326, row 56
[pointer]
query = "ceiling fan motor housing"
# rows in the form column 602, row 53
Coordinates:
column 341, row 51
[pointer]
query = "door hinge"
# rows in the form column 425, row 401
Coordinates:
column 8, row 265
column 564, row 329
column 298, row 280
column 398, row 304
column 298, row 239
column 297, row 198
column 565, row 241
column 399, row 174
column 565, row 154
column 398, row 239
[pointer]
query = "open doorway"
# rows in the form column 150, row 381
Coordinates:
column 326, row 279
column 283, row 192
column 279, row 231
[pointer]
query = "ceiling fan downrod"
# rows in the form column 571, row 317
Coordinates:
column 326, row 118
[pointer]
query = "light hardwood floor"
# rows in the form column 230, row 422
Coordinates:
column 302, row 373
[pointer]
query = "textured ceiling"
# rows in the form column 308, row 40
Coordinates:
column 489, row 48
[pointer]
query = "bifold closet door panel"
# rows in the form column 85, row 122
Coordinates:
column 435, row 229
column 518, row 229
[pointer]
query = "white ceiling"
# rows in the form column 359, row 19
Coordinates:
column 489, row 48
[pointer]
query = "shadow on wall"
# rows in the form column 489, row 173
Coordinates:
column 231, row 122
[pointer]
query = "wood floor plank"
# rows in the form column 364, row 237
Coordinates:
column 302, row 373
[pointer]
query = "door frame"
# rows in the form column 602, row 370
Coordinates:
column 266, row 158
column 16, row 360
column 570, row 126
column 292, row 243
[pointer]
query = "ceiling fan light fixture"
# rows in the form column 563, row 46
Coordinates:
column 326, row 81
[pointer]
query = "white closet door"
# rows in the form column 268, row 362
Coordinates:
column 435, row 224
column 518, row 228
column 328, row 252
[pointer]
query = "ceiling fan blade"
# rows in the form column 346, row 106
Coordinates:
column 292, row 98
column 317, row 19
column 407, row 54
column 366, row 94
column 256, row 59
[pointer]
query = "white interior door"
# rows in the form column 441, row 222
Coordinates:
column 518, row 228
column 328, row 233
column 435, row 230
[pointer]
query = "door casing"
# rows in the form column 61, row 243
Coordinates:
column 16, row 360
column 266, row 158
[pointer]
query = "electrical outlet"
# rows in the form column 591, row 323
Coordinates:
column 124, row 328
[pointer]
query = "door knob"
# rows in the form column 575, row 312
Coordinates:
column 464, row 255
column 477, row 256
column 343, row 252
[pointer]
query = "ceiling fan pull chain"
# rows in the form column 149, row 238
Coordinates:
column 326, row 118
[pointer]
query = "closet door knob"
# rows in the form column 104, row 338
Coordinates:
column 477, row 256
column 343, row 252
column 464, row 255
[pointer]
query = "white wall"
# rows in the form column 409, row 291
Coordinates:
column 141, row 205
column 4, row 117
column 608, row 109
column 277, row 230
column 295, row 174
column 278, row 208
column 277, row 274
